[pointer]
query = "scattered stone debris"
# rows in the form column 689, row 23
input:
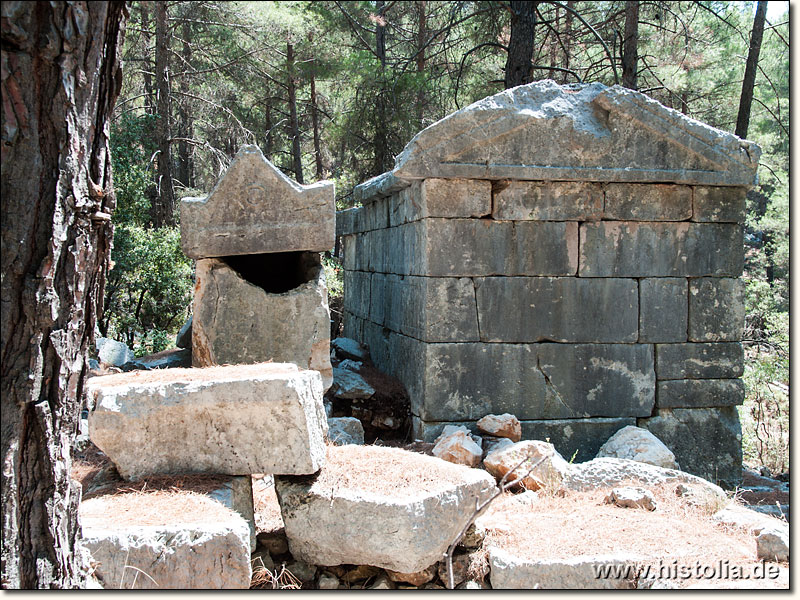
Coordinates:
column 635, row 443
column 504, row 426
column 520, row 457
column 345, row 430
column 631, row 497
column 459, row 448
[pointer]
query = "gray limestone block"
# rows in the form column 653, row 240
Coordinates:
column 211, row 420
column 600, row 380
column 581, row 438
column 404, row 205
column 347, row 221
column 482, row 247
column 357, row 293
column 547, row 201
column 719, row 204
column 642, row 249
column 663, row 309
column 450, row 198
column 716, row 309
column 376, row 214
column 350, row 252
column 707, row 442
column 699, row 393
column 236, row 321
column 724, row 360
column 353, row 326
column 376, row 338
column 431, row 309
column 255, row 208
column 647, row 202
column 237, row 495
column 560, row 309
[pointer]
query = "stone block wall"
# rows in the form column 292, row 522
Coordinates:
column 579, row 306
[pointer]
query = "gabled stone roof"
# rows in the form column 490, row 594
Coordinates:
column 579, row 132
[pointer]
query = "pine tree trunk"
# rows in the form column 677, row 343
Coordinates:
column 185, row 162
column 294, row 124
column 149, row 103
column 315, row 126
column 60, row 78
column 163, row 207
column 630, row 56
column 520, row 47
column 749, row 83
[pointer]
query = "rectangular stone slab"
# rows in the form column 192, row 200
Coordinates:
column 254, row 209
column 716, row 309
column 719, row 204
column 645, row 249
column 663, row 309
column 547, row 201
column 559, row 309
column 233, row 420
column 647, row 202
column 699, row 393
column 450, row 198
column 722, row 360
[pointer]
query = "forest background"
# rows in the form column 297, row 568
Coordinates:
column 335, row 89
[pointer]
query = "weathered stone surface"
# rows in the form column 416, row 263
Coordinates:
column 547, row 467
column 349, row 348
column 647, row 202
column 636, row 249
column 350, row 365
column 240, row 322
column 212, row 420
column 547, row 201
column 451, row 198
column 560, row 309
column 255, row 208
column 663, row 309
column 699, row 393
column 345, row 430
column 635, row 443
column 302, row 570
column 350, row 386
column 611, row 472
column 495, row 444
column 544, row 131
column 345, row 522
column 632, row 497
column 184, row 337
column 431, row 309
column 716, row 309
column 699, row 361
column 706, row 441
column 475, row 534
column 773, row 545
column 167, row 359
column 511, row 572
column 210, row 555
column 347, row 221
column 719, row 204
column 451, row 429
column 418, row 578
column 357, row 293
column 352, row 326
column 735, row 515
column 459, row 448
column 328, row 582
column 505, row 425
column 578, row 438
column 237, row 495
column 112, row 352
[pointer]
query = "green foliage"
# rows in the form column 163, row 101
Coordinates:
column 131, row 149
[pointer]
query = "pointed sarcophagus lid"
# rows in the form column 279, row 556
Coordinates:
column 256, row 209
column 581, row 132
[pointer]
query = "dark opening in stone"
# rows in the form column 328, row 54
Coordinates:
column 276, row 272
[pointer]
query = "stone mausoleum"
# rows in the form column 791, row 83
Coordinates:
column 569, row 254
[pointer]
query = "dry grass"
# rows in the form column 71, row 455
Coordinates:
column 204, row 374
column 382, row 470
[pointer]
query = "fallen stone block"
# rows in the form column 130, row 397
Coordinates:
column 349, row 385
column 206, row 547
column 237, row 494
column 547, row 467
column 345, row 430
column 635, row 443
column 255, row 208
column 734, row 515
column 632, row 497
column 379, row 506
column 167, row 359
column 773, row 545
column 511, row 572
column 349, row 348
column 505, row 426
column 236, row 420
column 459, row 448
column 112, row 352
column 242, row 316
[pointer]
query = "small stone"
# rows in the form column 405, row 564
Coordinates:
column 345, row 430
column 112, row 352
column 520, row 457
column 184, row 337
column 350, row 365
column 349, row 348
column 458, row 448
column 474, row 536
column 773, row 545
column 416, row 579
column 348, row 385
column 635, row 443
column 631, row 497
column 303, row 571
column 505, row 425
column 492, row 444
column 273, row 541
column 382, row 583
column 328, row 582
column 359, row 573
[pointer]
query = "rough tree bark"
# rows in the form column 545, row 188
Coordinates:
column 748, row 85
column 163, row 201
column 520, row 47
column 60, row 78
column 294, row 123
column 185, row 125
column 315, row 125
column 630, row 45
